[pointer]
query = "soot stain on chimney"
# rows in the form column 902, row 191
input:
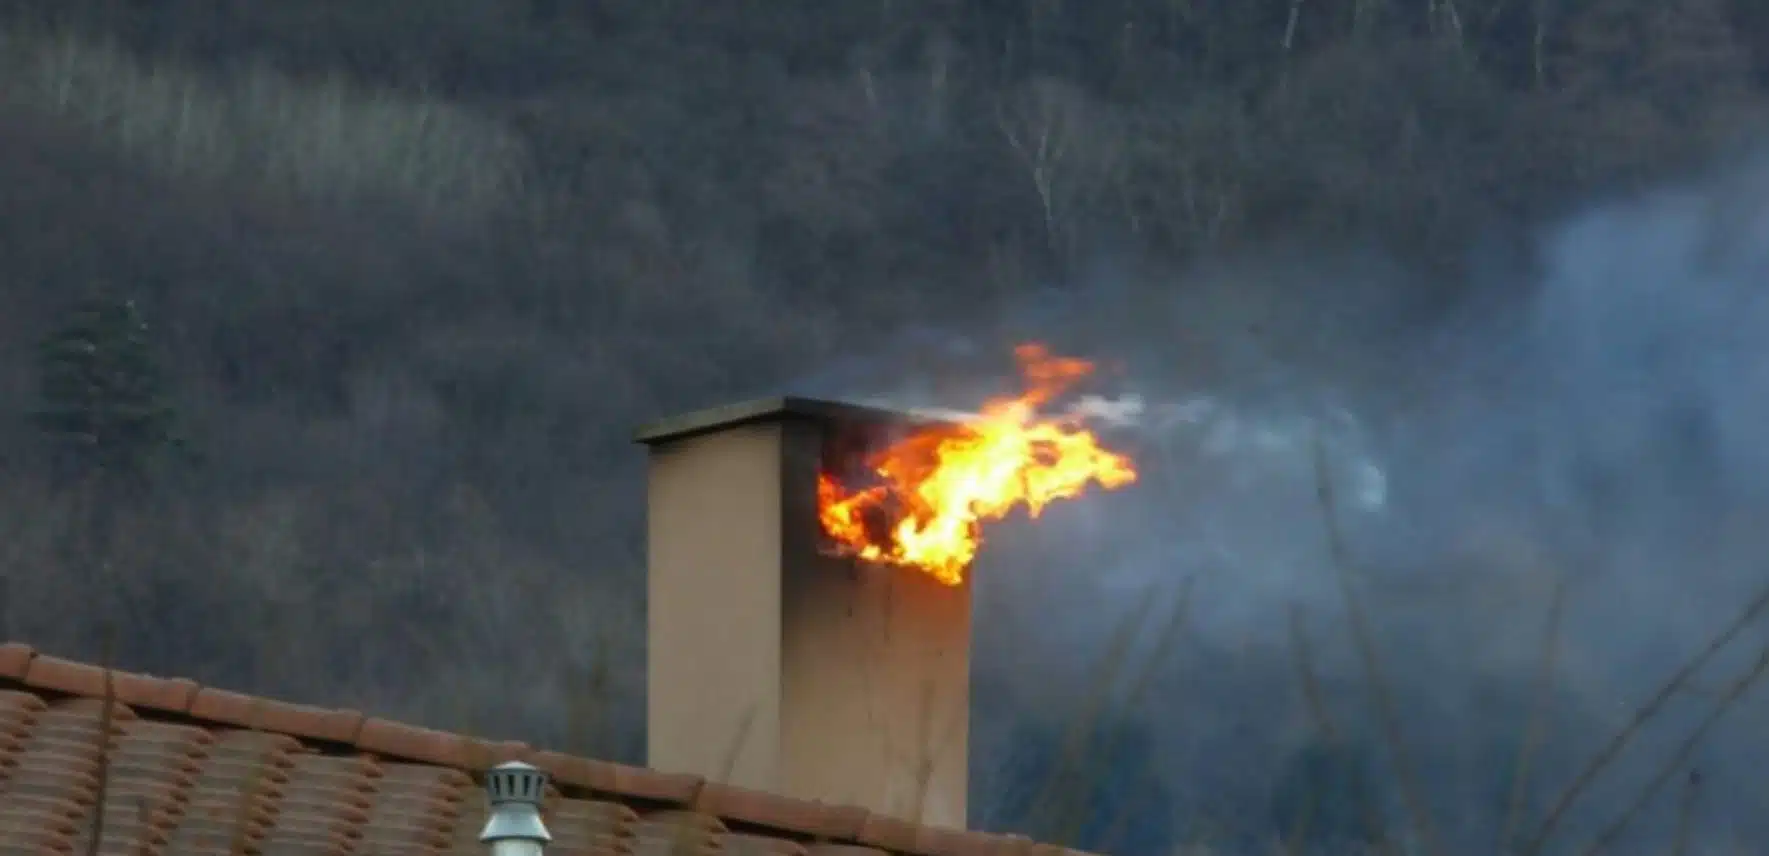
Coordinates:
column 849, row 454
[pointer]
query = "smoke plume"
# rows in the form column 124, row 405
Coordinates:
column 1592, row 424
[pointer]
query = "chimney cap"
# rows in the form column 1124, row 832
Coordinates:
column 770, row 409
column 515, row 791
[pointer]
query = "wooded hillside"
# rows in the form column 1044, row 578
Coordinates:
column 406, row 273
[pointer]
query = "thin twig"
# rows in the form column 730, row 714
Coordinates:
column 240, row 836
column 144, row 845
column 586, row 695
column 1305, row 674
column 105, row 720
column 1684, row 750
column 1139, row 688
column 1290, row 22
column 1411, row 794
column 734, row 752
column 1323, row 721
column 1317, row 709
column 1686, row 812
column 1533, row 730
column 1613, row 749
column 1057, row 792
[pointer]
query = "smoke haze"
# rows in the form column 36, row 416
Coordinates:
column 1599, row 427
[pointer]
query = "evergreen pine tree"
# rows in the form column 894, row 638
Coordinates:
column 102, row 395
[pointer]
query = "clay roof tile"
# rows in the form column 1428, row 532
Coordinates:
column 172, row 695
column 15, row 658
column 287, row 767
column 262, row 714
column 411, row 743
column 669, row 788
column 575, row 772
column 760, row 808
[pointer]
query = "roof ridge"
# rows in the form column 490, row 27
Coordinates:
column 184, row 698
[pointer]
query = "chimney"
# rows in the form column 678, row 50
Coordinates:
column 775, row 666
column 513, row 827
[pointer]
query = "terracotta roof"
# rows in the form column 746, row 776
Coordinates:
column 191, row 770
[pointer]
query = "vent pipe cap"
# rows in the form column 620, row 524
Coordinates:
column 515, row 791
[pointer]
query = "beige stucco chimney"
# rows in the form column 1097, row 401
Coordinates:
column 777, row 667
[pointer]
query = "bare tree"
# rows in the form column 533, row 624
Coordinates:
column 1179, row 184
column 1540, row 13
column 1290, row 22
column 1444, row 20
column 1363, row 15
column 1068, row 148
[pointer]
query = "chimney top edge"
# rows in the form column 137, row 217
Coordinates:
column 769, row 410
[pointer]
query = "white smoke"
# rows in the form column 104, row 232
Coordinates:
column 1595, row 419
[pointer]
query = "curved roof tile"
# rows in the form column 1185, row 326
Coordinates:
column 190, row 770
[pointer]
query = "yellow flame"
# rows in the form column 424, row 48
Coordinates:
column 936, row 488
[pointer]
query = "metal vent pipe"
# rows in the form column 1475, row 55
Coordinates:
column 513, row 827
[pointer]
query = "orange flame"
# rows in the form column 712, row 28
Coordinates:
column 936, row 488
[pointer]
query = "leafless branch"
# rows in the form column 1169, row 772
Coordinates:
column 1290, row 23
column 1613, row 749
column 1340, row 559
column 106, row 722
column 1068, row 148
column 1538, row 715
column 1323, row 722
column 1685, row 812
column 1681, row 758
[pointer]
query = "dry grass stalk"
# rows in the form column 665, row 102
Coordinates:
column 1680, row 759
column 240, row 839
column 105, row 719
column 1613, row 749
column 586, row 694
column 1317, row 710
column 1535, row 728
column 1053, row 793
column 1412, row 795
column 1686, row 812
column 1306, row 675
column 1322, row 719
column 1139, row 688
column 1064, row 797
column 144, row 845
column 738, row 741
